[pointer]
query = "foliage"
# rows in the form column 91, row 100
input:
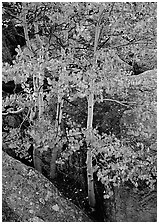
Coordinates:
column 140, row 121
column 18, row 143
column 65, row 52
column 117, row 162
column 44, row 135
column 14, row 102
column 74, row 140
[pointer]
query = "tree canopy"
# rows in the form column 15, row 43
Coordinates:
column 82, row 61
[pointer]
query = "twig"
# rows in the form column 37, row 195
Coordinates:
column 25, row 118
column 13, row 112
column 130, row 43
column 121, row 103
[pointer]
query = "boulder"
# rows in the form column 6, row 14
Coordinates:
column 131, row 205
column 135, row 206
column 139, row 123
column 141, row 119
column 29, row 197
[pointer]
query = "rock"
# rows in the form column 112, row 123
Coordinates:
column 141, row 120
column 6, row 54
column 147, row 59
column 138, row 123
column 133, row 206
column 8, row 215
column 143, row 59
column 30, row 197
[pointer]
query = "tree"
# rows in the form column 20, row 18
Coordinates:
column 89, row 36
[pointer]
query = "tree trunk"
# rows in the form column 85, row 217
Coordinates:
column 25, row 26
column 91, row 193
column 90, row 181
column 53, row 162
column 56, row 147
column 37, row 160
column 36, row 30
column 40, row 76
column 40, row 95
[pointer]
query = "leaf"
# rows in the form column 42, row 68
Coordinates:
column 106, row 196
column 12, row 145
column 56, row 208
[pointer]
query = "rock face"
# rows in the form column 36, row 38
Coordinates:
column 141, row 121
column 135, row 206
column 130, row 205
column 30, row 197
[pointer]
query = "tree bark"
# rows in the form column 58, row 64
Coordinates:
column 90, row 180
column 53, row 162
column 37, row 161
column 55, row 149
column 25, row 26
column 40, row 76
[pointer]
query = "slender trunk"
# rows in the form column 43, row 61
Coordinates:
column 37, row 159
column 36, row 30
column 90, row 180
column 35, row 86
column 90, row 110
column 56, row 147
column 36, row 154
column 40, row 96
column 53, row 162
column 40, row 76
column 25, row 26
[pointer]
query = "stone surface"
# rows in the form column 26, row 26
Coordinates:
column 28, row 196
column 141, row 120
column 131, row 205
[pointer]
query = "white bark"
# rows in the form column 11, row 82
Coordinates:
column 56, row 147
column 25, row 26
column 91, row 193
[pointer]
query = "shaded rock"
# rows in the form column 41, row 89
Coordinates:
column 140, row 206
column 6, row 54
column 133, row 206
column 8, row 214
column 141, row 120
column 12, row 36
column 31, row 197
column 138, row 124
column 141, row 60
column 147, row 59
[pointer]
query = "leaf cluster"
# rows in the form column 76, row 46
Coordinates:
column 19, row 143
column 117, row 162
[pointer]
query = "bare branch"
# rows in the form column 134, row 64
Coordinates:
column 25, row 118
column 130, row 43
column 13, row 112
column 12, row 15
column 116, row 101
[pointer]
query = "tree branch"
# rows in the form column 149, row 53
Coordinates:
column 127, row 44
column 116, row 101
column 13, row 112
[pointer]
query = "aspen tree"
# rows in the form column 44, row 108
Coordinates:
column 90, row 180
